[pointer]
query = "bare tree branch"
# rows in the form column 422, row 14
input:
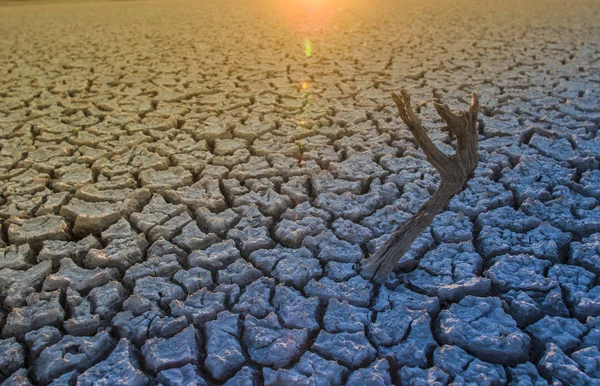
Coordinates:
column 454, row 172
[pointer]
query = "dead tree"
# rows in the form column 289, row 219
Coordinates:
column 454, row 171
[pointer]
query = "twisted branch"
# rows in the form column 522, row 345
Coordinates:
column 454, row 171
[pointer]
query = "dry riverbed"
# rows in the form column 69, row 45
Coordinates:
column 187, row 188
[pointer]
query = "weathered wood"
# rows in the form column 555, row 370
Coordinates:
column 454, row 170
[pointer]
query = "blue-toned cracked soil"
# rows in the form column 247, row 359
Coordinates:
column 187, row 188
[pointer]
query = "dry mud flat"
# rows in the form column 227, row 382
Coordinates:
column 185, row 194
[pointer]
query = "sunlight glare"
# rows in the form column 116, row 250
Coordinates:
column 307, row 48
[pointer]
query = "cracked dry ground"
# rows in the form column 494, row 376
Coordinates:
column 186, row 196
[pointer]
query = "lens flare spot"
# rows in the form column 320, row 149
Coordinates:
column 307, row 48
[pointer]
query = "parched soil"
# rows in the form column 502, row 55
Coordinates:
column 187, row 189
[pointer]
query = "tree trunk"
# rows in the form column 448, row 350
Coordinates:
column 454, row 171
